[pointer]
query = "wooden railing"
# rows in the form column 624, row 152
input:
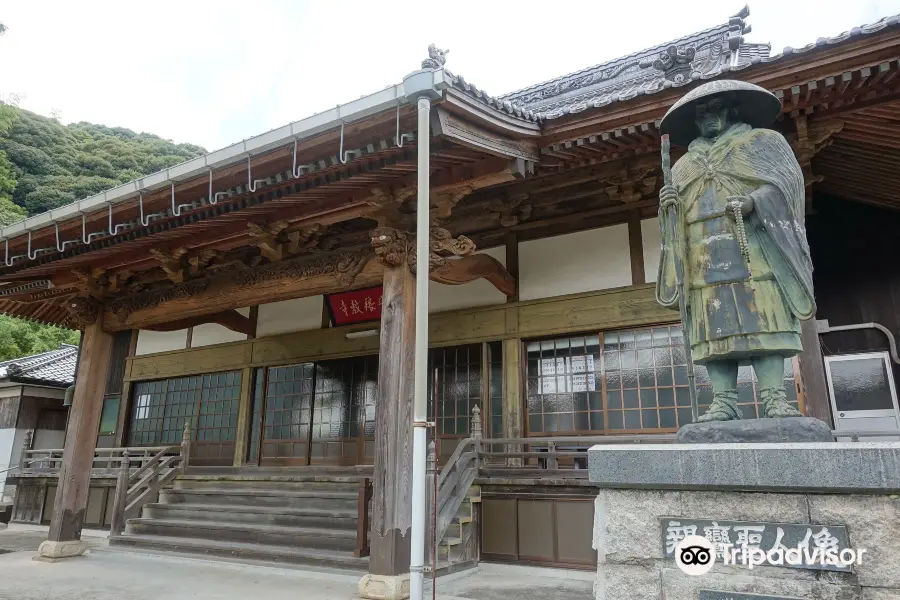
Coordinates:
column 362, row 518
column 134, row 488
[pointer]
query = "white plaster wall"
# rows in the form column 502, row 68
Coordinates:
column 475, row 293
column 160, row 341
column 300, row 314
column 597, row 259
column 651, row 240
column 213, row 333
column 7, row 439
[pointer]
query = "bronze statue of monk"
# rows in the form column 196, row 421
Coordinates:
column 739, row 194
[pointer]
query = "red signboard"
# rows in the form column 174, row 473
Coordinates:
column 358, row 306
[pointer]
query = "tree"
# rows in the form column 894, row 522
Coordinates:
column 21, row 338
column 44, row 164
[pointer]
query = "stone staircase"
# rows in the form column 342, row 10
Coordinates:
column 299, row 520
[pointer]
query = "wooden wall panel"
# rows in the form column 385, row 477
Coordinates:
column 9, row 411
column 610, row 309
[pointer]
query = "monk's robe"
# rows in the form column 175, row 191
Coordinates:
column 739, row 308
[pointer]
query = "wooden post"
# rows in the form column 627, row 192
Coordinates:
column 476, row 433
column 362, row 518
column 117, row 524
column 245, row 406
column 81, row 441
column 812, row 371
column 430, row 492
column 392, row 479
column 512, row 396
column 636, row 249
column 185, row 447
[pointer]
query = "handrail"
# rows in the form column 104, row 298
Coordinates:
column 135, row 489
column 362, row 518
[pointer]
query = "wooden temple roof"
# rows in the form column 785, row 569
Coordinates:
column 577, row 152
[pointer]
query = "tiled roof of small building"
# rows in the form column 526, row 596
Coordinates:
column 55, row 366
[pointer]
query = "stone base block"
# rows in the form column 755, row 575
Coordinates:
column 384, row 587
column 824, row 467
column 756, row 431
column 52, row 551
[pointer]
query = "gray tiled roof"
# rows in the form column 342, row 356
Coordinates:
column 55, row 366
column 703, row 55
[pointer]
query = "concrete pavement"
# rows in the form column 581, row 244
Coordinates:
column 106, row 574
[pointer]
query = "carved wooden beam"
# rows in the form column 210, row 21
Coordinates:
column 229, row 319
column 473, row 267
column 244, row 286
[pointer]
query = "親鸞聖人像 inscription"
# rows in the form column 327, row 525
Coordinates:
column 816, row 547
column 717, row 595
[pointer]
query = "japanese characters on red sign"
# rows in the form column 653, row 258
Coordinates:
column 357, row 306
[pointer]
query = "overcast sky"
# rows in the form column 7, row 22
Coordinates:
column 215, row 72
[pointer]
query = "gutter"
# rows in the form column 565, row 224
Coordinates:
column 365, row 106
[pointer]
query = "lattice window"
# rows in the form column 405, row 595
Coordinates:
column 288, row 410
column 564, row 385
column 208, row 402
column 623, row 381
column 458, row 373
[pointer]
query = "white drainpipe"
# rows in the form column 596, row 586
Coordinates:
column 421, row 85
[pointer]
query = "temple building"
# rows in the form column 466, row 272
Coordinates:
column 248, row 314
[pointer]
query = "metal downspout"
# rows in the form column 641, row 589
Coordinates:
column 420, row 416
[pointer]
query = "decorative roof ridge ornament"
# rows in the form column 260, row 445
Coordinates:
column 436, row 58
column 676, row 63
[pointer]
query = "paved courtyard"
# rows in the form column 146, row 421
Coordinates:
column 111, row 574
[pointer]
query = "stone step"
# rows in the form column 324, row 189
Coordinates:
column 262, row 497
column 270, row 535
column 292, row 484
column 242, row 551
column 254, row 514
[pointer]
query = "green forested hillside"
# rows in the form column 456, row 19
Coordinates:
column 44, row 164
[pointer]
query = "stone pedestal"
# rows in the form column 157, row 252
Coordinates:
column 791, row 429
column 50, row 551
column 384, row 587
column 850, row 487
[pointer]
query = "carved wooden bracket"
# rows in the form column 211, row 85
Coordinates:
column 387, row 207
column 443, row 202
column 90, row 282
column 512, row 209
column 473, row 267
column 306, row 239
column 229, row 319
column 391, row 245
column 170, row 262
column 84, row 311
column 265, row 237
column 811, row 139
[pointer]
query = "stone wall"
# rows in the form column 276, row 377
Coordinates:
column 630, row 560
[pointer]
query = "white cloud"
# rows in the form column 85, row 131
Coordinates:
column 212, row 73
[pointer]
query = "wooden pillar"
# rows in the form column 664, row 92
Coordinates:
column 245, row 412
column 81, row 441
column 636, row 249
column 513, row 419
column 512, row 261
column 812, row 372
column 392, row 479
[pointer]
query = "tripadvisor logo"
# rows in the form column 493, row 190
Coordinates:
column 696, row 555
